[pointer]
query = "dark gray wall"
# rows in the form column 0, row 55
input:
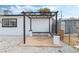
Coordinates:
column 70, row 25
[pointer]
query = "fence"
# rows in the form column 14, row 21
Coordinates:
column 71, row 32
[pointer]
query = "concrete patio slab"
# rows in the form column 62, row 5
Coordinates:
column 9, row 44
column 40, row 41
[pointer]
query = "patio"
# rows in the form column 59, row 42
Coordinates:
column 14, row 44
column 40, row 41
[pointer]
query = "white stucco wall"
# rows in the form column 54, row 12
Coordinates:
column 38, row 25
column 27, row 26
column 51, row 24
column 13, row 30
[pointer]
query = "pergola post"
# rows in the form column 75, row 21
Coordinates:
column 24, row 31
column 56, row 25
column 49, row 25
column 52, row 26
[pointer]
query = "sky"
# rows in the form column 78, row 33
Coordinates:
column 67, row 10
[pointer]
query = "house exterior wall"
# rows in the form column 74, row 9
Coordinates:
column 51, row 21
column 27, row 25
column 38, row 25
column 13, row 30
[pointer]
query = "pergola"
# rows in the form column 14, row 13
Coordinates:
column 35, row 15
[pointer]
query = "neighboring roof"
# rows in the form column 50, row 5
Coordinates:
column 70, row 20
column 11, row 15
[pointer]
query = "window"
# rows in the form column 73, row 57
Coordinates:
column 9, row 22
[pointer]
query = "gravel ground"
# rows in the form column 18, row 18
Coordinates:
column 10, row 45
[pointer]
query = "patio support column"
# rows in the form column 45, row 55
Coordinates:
column 49, row 25
column 52, row 26
column 56, row 29
column 24, row 34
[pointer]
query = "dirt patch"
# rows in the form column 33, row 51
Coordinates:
column 73, row 41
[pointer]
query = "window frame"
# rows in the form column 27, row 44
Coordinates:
column 8, row 22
